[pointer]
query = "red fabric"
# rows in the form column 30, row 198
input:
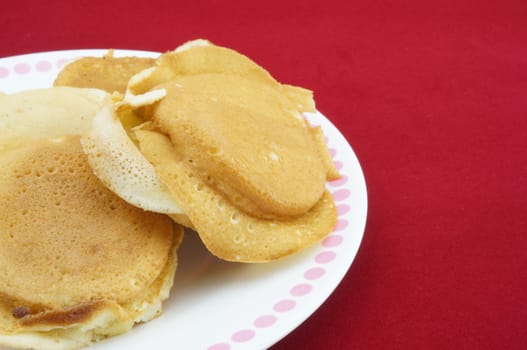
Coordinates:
column 432, row 97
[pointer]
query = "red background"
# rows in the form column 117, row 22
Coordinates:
column 432, row 96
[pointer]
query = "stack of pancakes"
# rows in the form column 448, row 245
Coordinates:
column 95, row 196
column 77, row 262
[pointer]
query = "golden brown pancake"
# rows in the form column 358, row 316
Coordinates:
column 226, row 231
column 246, row 139
column 107, row 73
column 67, row 277
column 200, row 57
column 57, row 111
column 232, row 148
column 77, row 263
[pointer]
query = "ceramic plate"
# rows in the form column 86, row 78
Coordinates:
column 217, row 305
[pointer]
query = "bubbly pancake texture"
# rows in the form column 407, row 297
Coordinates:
column 242, row 130
column 228, row 232
column 77, row 263
column 117, row 162
column 240, row 138
column 257, row 150
column 233, row 148
column 247, row 139
column 107, row 73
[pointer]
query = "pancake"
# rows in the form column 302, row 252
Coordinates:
column 226, row 231
column 52, row 112
column 107, row 73
column 218, row 98
column 67, row 278
column 246, row 139
column 201, row 62
column 227, row 134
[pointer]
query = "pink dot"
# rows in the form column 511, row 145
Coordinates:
column 314, row 273
column 332, row 241
column 264, row 321
column 61, row 62
column 219, row 346
column 43, row 66
column 343, row 209
column 325, row 257
column 284, row 305
column 341, row 225
column 332, row 152
column 4, row 72
column 243, row 335
column 341, row 194
column 339, row 182
column 338, row 164
column 301, row 289
column 22, row 68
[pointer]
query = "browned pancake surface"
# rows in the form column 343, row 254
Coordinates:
column 65, row 238
column 246, row 139
column 107, row 73
column 228, row 232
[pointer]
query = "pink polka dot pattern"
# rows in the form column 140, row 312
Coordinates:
column 43, row 66
column 325, row 257
column 60, row 63
column 219, row 346
column 314, row 273
column 332, row 152
column 22, row 68
column 341, row 194
column 301, row 289
column 332, row 241
column 4, row 72
column 243, row 335
column 284, row 305
column 341, row 225
column 264, row 321
column 339, row 165
column 342, row 209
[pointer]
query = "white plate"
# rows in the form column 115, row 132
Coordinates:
column 218, row 305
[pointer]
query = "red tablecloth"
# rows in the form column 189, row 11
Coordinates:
column 432, row 96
